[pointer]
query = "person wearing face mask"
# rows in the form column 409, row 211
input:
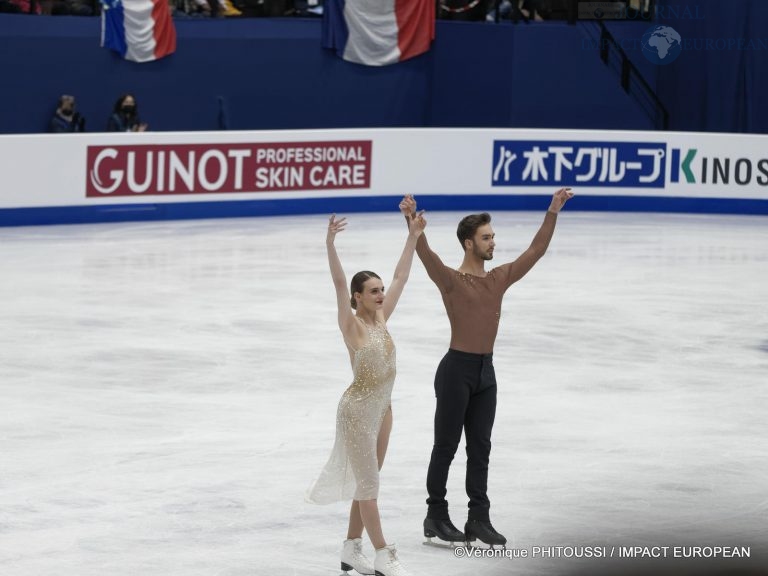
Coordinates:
column 66, row 119
column 125, row 116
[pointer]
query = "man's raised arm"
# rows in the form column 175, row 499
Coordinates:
column 438, row 272
column 520, row 267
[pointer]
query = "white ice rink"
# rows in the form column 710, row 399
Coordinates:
column 168, row 391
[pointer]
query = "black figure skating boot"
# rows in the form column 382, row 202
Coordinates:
column 444, row 530
column 483, row 530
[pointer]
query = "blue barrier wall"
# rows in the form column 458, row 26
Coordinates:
column 272, row 74
column 720, row 87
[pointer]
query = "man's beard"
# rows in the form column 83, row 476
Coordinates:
column 484, row 255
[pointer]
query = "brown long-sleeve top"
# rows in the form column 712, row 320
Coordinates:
column 473, row 303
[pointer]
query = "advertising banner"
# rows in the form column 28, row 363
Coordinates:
column 651, row 171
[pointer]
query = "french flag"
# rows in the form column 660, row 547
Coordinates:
column 378, row 32
column 138, row 30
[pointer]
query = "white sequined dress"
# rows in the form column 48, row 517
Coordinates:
column 352, row 471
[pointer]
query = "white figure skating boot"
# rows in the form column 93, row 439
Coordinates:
column 352, row 557
column 387, row 564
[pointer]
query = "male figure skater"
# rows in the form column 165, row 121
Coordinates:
column 465, row 382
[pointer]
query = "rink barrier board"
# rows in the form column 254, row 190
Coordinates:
column 105, row 177
column 470, row 202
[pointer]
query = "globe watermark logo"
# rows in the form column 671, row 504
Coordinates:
column 661, row 45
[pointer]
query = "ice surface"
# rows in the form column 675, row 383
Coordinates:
column 168, row 391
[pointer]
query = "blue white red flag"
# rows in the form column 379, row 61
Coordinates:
column 378, row 32
column 139, row 30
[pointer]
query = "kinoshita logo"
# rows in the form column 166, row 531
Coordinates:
column 689, row 166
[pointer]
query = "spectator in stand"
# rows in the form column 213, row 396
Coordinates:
column 206, row 8
column 21, row 6
column 125, row 116
column 66, row 119
column 73, row 8
column 515, row 10
column 196, row 7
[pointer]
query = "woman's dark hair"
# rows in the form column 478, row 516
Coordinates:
column 357, row 284
column 469, row 225
column 119, row 104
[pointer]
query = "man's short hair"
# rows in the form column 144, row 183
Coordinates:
column 469, row 225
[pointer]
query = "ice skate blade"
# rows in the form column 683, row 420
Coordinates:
column 437, row 543
column 483, row 546
column 347, row 570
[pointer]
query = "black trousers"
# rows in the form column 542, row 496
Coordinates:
column 465, row 389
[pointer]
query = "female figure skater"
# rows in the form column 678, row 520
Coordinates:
column 364, row 415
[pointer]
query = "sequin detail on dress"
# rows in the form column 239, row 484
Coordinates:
column 352, row 471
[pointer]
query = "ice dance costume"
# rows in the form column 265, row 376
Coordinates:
column 352, row 471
